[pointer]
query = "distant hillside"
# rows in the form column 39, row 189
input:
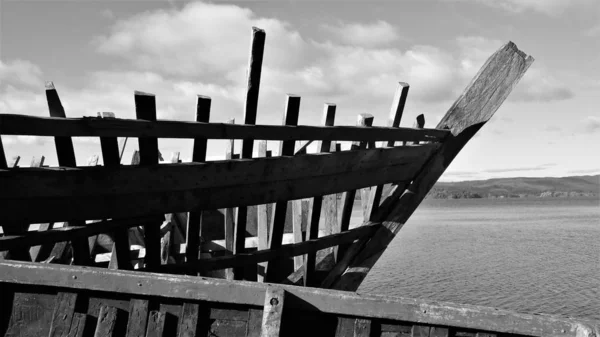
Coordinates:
column 518, row 187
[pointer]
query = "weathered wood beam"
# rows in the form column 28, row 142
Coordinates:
column 273, row 312
column 194, row 220
column 97, row 127
column 273, row 269
column 66, row 158
column 99, row 192
column 138, row 318
column 263, row 214
column 107, row 320
column 299, row 298
column 480, row 100
column 229, row 215
column 281, row 252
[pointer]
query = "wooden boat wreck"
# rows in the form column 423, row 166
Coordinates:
column 286, row 263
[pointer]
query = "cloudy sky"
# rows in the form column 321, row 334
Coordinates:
column 348, row 53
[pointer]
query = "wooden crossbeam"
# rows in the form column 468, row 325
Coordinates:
column 281, row 252
column 97, row 127
column 98, row 192
column 297, row 298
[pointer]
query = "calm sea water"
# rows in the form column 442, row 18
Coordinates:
column 528, row 255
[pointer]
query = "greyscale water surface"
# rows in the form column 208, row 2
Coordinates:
column 534, row 255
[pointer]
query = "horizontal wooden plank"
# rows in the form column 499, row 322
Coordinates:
column 283, row 252
column 108, row 127
column 68, row 233
column 191, row 288
column 97, row 193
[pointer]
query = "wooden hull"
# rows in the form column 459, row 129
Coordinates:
column 54, row 300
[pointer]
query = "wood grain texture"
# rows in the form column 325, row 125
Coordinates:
column 156, row 324
column 362, row 327
column 11, row 124
column 299, row 221
column 194, row 220
column 300, row 298
column 480, row 100
column 107, row 320
column 188, row 321
column 138, row 318
column 229, row 214
column 63, row 314
column 272, row 312
column 78, row 325
column 263, row 214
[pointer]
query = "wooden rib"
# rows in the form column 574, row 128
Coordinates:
column 77, row 325
column 312, row 228
column 299, row 220
column 484, row 95
column 156, row 324
column 62, row 315
column 229, row 214
column 257, row 47
column 365, row 120
column 11, row 124
column 264, row 214
column 283, row 252
column 66, row 158
column 41, row 252
column 273, row 269
column 395, row 117
column 138, row 318
column 111, row 158
column 145, row 109
column 107, row 320
column 311, row 299
column 96, row 193
column 188, row 321
column 273, row 312
column 194, row 220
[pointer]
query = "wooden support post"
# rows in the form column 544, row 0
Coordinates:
column 107, row 320
column 478, row 103
column 273, row 311
column 188, row 321
column 229, row 218
column 299, row 220
column 362, row 327
column 156, row 324
column 77, row 325
column 15, row 161
column 312, row 228
column 264, row 213
column 62, row 315
column 257, row 49
column 111, row 158
column 66, row 158
column 138, row 318
column 420, row 331
column 292, row 110
column 374, row 198
column 194, row 224
column 348, row 197
column 145, row 108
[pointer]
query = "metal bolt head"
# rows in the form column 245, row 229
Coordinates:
column 274, row 301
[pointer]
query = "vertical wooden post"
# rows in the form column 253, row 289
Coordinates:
column 138, row 318
column 396, row 111
column 264, row 214
column 188, row 321
column 229, row 218
column 194, row 224
column 145, row 108
column 107, row 319
column 111, row 158
column 299, row 221
column 348, row 197
column 292, row 111
column 66, row 158
column 273, row 311
column 62, row 315
column 41, row 252
column 15, row 160
column 257, row 49
column 312, row 228
column 156, row 324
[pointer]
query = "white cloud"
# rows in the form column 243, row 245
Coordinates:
column 591, row 124
column 20, row 72
column 378, row 33
column 548, row 7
